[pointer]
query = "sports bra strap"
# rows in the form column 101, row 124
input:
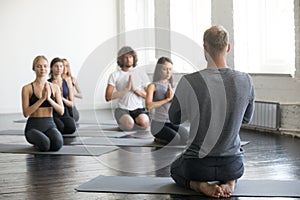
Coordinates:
column 32, row 87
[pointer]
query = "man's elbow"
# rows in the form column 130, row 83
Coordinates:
column 107, row 99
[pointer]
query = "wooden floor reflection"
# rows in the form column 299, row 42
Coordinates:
column 47, row 177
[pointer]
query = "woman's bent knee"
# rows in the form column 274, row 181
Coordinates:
column 38, row 139
column 55, row 146
column 56, row 139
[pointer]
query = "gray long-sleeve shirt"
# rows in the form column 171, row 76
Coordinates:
column 215, row 102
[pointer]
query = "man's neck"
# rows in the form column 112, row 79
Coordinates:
column 217, row 62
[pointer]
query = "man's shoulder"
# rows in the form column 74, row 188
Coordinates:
column 193, row 79
column 242, row 77
column 117, row 72
column 239, row 72
column 192, row 75
column 243, row 74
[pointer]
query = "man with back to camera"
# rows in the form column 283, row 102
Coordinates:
column 216, row 101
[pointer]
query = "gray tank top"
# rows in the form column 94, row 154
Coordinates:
column 161, row 113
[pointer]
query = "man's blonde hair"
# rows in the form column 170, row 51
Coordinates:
column 216, row 39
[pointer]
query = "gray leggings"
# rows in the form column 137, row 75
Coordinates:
column 43, row 134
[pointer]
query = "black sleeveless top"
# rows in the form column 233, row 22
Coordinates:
column 65, row 89
column 34, row 98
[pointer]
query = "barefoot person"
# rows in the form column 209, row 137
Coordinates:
column 67, row 75
column 65, row 123
column 159, row 97
column 128, row 87
column 39, row 99
column 216, row 101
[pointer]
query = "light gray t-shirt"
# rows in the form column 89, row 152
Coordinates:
column 215, row 102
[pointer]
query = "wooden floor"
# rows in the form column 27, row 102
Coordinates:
column 24, row 176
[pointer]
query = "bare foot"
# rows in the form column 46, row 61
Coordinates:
column 211, row 190
column 228, row 188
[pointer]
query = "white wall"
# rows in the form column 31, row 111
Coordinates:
column 75, row 29
column 63, row 28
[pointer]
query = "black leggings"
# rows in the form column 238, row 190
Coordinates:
column 168, row 132
column 43, row 134
column 65, row 125
column 74, row 113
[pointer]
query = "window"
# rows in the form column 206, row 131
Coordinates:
column 139, row 14
column 190, row 18
column 264, row 36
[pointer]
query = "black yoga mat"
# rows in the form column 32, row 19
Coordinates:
column 65, row 150
column 98, row 133
column 20, row 121
column 133, row 142
column 98, row 128
column 130, row 142
column 12, row 132
column 165, row 185
column 98, row 122
column 82, row 121
column 78, row 133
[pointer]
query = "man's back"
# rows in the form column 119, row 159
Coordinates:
column 216, row 102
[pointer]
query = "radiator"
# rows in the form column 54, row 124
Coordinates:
column 266, row 115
